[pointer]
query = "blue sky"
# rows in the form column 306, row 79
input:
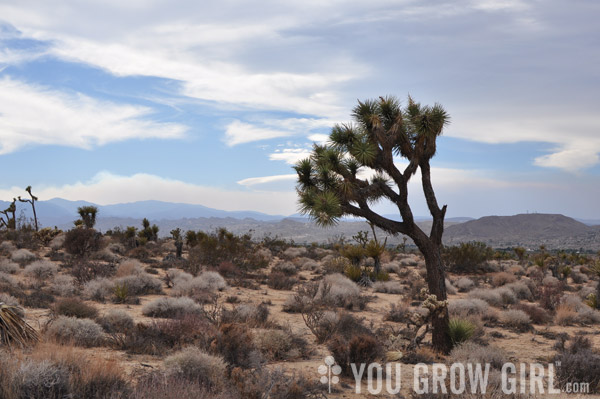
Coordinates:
column 111, row 101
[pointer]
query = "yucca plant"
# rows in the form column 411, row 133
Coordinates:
column 460, row 330
column 14, row 329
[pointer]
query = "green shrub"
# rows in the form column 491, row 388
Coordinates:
column 467, row 257
column 460, row 330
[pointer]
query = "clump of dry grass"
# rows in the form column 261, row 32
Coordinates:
column 23, row 256
column 6, row 266
column 388, row 287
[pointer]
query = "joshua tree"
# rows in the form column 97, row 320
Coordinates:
column 176, row 234
column 358, row 168
column 32, row 202
column 10, row 214
column 88, row 215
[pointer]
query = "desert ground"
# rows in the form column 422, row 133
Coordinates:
column 123, row 317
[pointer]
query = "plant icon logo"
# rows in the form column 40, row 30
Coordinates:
column 329, row 372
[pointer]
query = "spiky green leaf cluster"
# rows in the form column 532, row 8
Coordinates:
column 328, row 181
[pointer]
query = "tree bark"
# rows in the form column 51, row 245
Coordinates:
column 436, row 282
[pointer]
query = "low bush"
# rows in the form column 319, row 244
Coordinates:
column 64, row 285
column 73, row 307
column 520, row 289
column 41, row 269
column 9, row 267
column 195, row 365
column 161, row 336
column 468, row 257
column 281, row 281
column 333, row 265
column 503, row 278
column 236, row 344
column 286, row 267
column 466, row 307
column 470, row 352
column 388, row 287
column 38, row 299
column 198, row 286
column 359, row 349
column 82, row 241
column 537, row 314
column 496, row 297
column 6, row 278
column 294, row 252
column 81, row 332
column 397, row 313
column 277, row 345
column 116, row 321
column 338, row 290
column 464, row 284
column 578, row 364
column 84, row 270
column 139, row 284
column 23, row 256
column 516, row 319
column 99, row 289
column 247, row 313
column 171, row 308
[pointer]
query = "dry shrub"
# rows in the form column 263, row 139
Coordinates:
column 466, row 307
column 281, row 281
column 335, row 264
column 129, row 267
column 64, row 285
column 73, row 307
column 247, row 313
column 537, row 314
column 516, row 319
column 572, row 311
column 520, row 289
column 23, row 256
column 397, row 313
column 161, row 386
column 503, row 278
column 99, row 289
column 450, row 289
column 6, row 266
column 51, row 371
column 236, row 344
column 550, row 295
column 294, row 252
column 198, row 286
column 84, row 270
column 80, row 332
column 82, row 241
column 195, row 365
column 41, row 269
column 359, row 349
column 140, row 284
column 496, row 297
column 565, row 316
column 470, row 352
column 159, row 337
column 391, row 267
column 338, row 290
column 116, row 321
column 171, row 308
column 287, row 267
column 464, row 284
column 578, row 364
column 278, row 345
column 388, row 287
column 7, row 279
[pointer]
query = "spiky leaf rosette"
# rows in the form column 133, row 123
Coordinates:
column 14, row 329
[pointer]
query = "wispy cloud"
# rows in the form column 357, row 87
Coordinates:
column 254, row 181
column 290, row 155
column 238, row 132
column 35, row 115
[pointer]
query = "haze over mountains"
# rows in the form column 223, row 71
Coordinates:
column 530, row 230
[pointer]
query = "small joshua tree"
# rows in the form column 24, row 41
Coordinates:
column 10, row 213
column 32, row 202
column 358, row 168
column 88, row 215
column 176, row 233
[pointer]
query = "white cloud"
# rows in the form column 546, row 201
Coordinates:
column 290, row 155
column 238, row 132
column 33, row 115
column 254, row 181
column 106, row 188
column 319, row 138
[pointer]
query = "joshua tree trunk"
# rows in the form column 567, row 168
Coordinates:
column 436, row 282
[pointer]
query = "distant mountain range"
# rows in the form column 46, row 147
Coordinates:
column 531, row 230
